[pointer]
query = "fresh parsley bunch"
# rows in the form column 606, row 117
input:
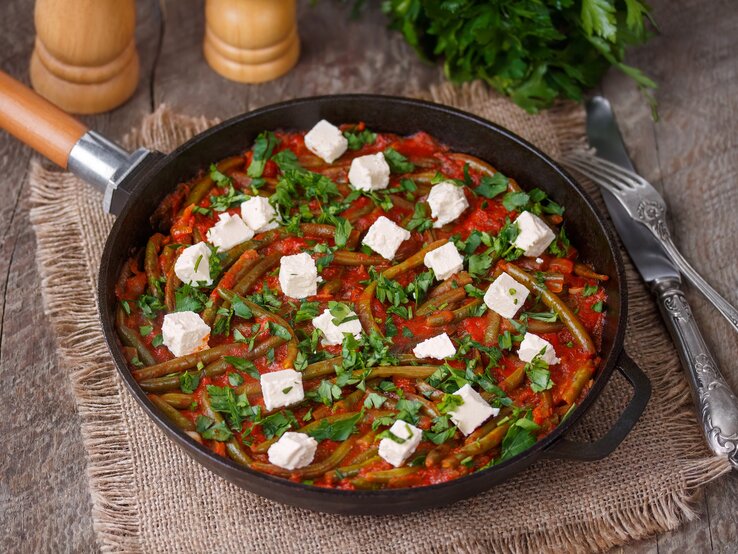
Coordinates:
column 531, row 50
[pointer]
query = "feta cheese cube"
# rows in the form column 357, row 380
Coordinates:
column 184, row 333
column 532, row 345
column 505, row 296
column 293, row 450
column 396, row 453
column 370, row 172
column 447, row 202
column 193, row 265
column 259, row 214
column 326, row 141
column 534, row 236
column 444, row 261
column 385, row 237
column 438, row 347
column 334, row 333
column 473, row 411
column 298, row 275
column 229, row 231
column 281, row 388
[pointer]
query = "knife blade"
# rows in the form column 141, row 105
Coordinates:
column 645, row 251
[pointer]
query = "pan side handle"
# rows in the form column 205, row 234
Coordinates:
column 588, row 451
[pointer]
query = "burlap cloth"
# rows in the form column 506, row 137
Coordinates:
column 147, row 495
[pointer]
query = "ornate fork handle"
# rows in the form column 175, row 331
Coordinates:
column 716, row 404
column 652, row 215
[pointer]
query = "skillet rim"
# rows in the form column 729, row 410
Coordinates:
column 225, row 465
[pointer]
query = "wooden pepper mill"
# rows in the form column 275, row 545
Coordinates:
column 85, row 59
column 251, row 41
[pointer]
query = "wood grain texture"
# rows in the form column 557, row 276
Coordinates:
column 690, row 155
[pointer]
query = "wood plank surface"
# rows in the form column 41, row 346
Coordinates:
column 690, row 155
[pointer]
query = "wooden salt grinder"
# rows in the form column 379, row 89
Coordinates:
column 85, row 59
column 251, row 41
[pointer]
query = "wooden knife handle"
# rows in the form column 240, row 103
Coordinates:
column 36, row 122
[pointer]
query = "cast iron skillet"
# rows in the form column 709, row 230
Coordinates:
column 144, row 178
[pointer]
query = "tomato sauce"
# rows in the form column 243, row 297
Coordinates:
column 491, row 363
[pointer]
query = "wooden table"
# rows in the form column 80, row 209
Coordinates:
column 691, row 154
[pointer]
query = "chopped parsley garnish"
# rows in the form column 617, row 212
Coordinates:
column 538, row 373
column 337, row 430
column 188, row 382
column 242, row 364
column 210, row 430
column 397, row 162
column 357, row 139
column 598, row 307
column 589, row 290
column 262, row 151
column 489, row 187
column 189, row 299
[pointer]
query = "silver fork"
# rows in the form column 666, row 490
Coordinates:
column 645, row 205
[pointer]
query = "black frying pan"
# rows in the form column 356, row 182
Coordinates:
column 136, row 183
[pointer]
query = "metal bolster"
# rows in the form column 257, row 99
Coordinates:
column 102, row 163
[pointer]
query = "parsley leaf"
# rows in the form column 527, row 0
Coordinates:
column 337, row 430
column 538, row 374
column 489, row 187
column 188, row 382
column 357, row 139
column 242, row 364
column 397, row 162
column 514, row 200
column 210, row 430
column 276, row 424
column 286, row 160
column 420, row 221
column 189, row 299
column 262, row 151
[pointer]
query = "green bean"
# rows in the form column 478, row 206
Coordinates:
column 313, row 470
column 436, row 455
column 345, row 257
column 479, row 446
column 482, row 167
column 264, row 446
column 435, row 304
column 555, row 303
column 428, row 390
column 234, row 274
column 536, row 326
column 492, row 331
column 416, row 260
column 256, row 273
column 428, row 408
column 178, row 400
column 292, row 350
column 380, row 477
column 131, row 338
column 234, row 449
column 358, row 213
column 585, row 271
column 457, row 281
column 489, row 426
column 172, row 413
column 581, row 376
column 232, row 255
column 171, row 382
column 170, row 289
column 204, row 356
column 330, row 287
column 353, row 469
column 151, row 264
column 364, row 309
column 203, row 186
column 446, row 316
column 514, row 380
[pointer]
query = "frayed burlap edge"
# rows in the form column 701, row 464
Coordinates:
column 110, row 470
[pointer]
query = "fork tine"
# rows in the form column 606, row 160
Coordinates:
column 602, row 174
column 593, row 174
column 614, row 169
